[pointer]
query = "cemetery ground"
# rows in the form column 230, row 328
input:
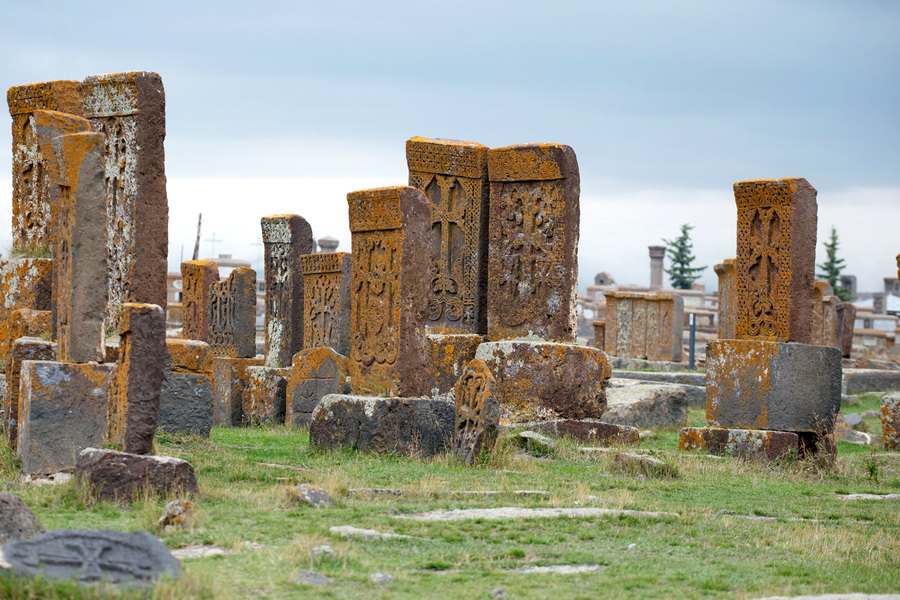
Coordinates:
column 730, row 528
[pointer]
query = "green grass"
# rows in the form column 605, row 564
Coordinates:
column 715, row 547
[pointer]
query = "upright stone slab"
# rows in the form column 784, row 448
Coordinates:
column 727, row 315
column 533, row 232
column 286, row 238
column 825, row 316
column 34, row 187
column 134, row 407
column 776, row 247
column 22, row 349
column 232, row 315
column 185, row 399
column 62, row 410
column 326, row 293
column 23, row 322
column 391, row 253
column 477, row 412
column 265, row 396
column 657, row 255
column 130, row 109
column 25, row 283
column 647, row 326
column 230, row 380
column 315, row 373
column 197, row 278
column 846, row 313
column 453, row 176
column 81, row 262
column 890, row 420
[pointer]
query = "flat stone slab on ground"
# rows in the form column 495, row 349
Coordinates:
column 869, row 496
column 650, row 405
column 122, row 476
column 696, row 394
column 741, row 443
column 17, row 522
column 511, row 512
column 348, row 532
column 684, row 378
column 589, row 430
column 89, row 556
column 561, row 569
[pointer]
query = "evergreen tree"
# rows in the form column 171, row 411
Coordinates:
column 681, row 273
column 831, row 268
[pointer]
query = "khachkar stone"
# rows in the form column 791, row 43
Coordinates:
column 326, row 290
column 390, row 230
column 130, row 109
column 453, row 176
column 232, row 315
column 533, row 233
column 81, row 263
column 727, row 303
column 477, row 412
column 231, row 378
column 648, row 326
column 657, row 254
column 33, row 186
column 825, row 316
column 197, row 278
column 776, row 246
column 134, row 405
column 316, row 372
column 286, row 238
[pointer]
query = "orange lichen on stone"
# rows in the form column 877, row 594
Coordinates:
column 24, row 322
column 197, row 277
column 230, row 379
column 265, row 396
column 315, row 373
column 740, row 443
column 528, row 162
column 448, row 356
column 189, row 356
column 24, row 283
column 21, row 349
column 776, row 243
column 890, row 421
column 326, row 300
column 640, row 325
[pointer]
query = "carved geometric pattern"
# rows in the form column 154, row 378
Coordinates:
column 375, row 310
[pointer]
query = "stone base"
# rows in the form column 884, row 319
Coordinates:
column 772, row 385
column 890, row 421
column 647, row 404
column 857, row 381
column 121, row 476
column 590, row 431
column 545, row 380
column 63, row 410
column 229, row 385
column 448, row 355
column 407, row 426
column 185, row 404
column 265, row 396
column 315, row 373
column 22, row 349
column 741, row 443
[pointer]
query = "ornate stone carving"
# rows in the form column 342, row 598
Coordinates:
column 326, row 289
column 232, row 315
column 197, row 278
column 477, row 412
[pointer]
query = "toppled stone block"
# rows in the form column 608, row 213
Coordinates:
column 315, row 373
column 890, row 420
column 22, row 349
column 63, row 409
column 307, row 493
column 91, row 556
column 266, row 395
column 448, row 355
column 17, row 522
column 477, row 412
column 857, row 381
column 541, row 380
column 121, row 476
column 741, row 443
column 589, row 430
column 407, row 426
column 230, row 378
column 772, row 385
column 647, row 405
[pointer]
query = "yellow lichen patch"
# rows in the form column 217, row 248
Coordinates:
column 190, row 356
column 526, row 162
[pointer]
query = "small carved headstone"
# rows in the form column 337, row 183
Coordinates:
column 477, row 412
column 197, row 278
column 91, row 556
column 326, row 289
column 232, row 315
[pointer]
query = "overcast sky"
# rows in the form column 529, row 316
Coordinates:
column 279, row 107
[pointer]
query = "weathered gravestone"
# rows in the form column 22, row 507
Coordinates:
column 825, row 316
column 120, row 476
column 185, row 399
column 91, row 556
column 477, row 412
column 316, row 372
column 265, row 397
column 727, row 302
column 232, row 315
column 326, row 290
column 890, row 420
column 25, row 283
column 230, row 379
column 647, row 326
column 846, row 314
column 197, row 278
column 24, row 348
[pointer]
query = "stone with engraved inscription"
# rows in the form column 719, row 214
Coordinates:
column 825, row 316
column 533, row 233
column 453, row 176
column 197, row 278
column 477, row 412
column 315, row 373
column 232, row 315
column 326, row 293
column 91, row 556
column 185, row 398
column 391, row 240
column 286, row 238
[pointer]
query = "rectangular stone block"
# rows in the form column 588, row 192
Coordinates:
column 890, row 421
column 448, row 355
column 390, row 230
column 776, row 247
column 544, row 380
column 189, row 356
column 63, row 410
column 824, row 316
column 846, row 315
column 752, row 384
column 265, row 396
column 286, row 238
column 857, row 381
column 134, row 403
column 24, row 283
column 727, row 315
column 185, row 399
column 752, row 444
column 315, row 373
column 647, row 326
column 407, row 426
column 454, row 177
column 197, row 278
column 599, row 334
column 326, row 293
column 232, row 315
column 533, row 242
column 230, row 379
column 32, row 172
column 590, row 430
column 81, row 263
column 130, row 110
column 23, row 322
column 22, row 349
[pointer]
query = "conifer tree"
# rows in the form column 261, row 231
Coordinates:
column 832, row 267
column 681, row 273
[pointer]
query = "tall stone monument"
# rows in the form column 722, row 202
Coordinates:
column 727, row 315
column 197, row 278
column 657, row 255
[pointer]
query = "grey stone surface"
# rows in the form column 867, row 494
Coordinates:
column 696, row 394
column 689, row 378
column 312, row 578
column 121, row 476
column 185, row 404
column 313, row 495
column 856, row 381
column 17, row 522
column 408, row 426
column 90, row 556
column 649, row 405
